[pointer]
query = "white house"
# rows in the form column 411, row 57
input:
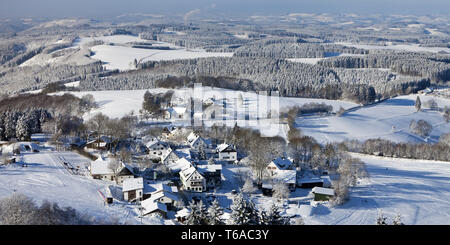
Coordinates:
column 225, row 152
column 178, row 112
column 289, row 177
column 156, row 148
column 197, row 143
column 192, row 180
column 169, row 157
column 133, row 189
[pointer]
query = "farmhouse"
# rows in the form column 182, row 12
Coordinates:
column 166, row 197
column 322, row 194
column 225, row 152
column 176, row 113
column 280, row 163
column 156, row 147
column 169, row 157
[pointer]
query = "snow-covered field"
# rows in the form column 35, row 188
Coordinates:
column 418, row 190
column 367, row 122
column 117, row 103
column 313, row 61
column 377, row 121
column 121, row 57
column 45, row 178
column 402, row 47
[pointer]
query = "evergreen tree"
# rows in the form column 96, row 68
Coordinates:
column 381, row 220
column 197, row 216
column 23, row 130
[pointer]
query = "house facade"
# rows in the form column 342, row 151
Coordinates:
column 225, row 152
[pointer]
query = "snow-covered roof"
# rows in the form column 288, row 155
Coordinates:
column 183, row 213
column 209, row 168
column 167, row 194
column 286, row 176
column 133, row 184
column 282, row 162
column 267, row 186
column 323, row 191
column 153, row 188
column 150, row 206
column 180, row 164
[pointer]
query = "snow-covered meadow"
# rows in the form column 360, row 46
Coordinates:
column 45, row 178
column 121, row 57
column 387, row 120
column 117, row 103
column 418, row 190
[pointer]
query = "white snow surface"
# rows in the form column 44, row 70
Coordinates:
column 45, row 178
column 377, row 121
column 418, row 190
column 122, row 57
column 401, row 47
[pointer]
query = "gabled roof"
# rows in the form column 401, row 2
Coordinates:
column 156, row 195
column 133, row 184
column 323, row 191
column 100, row 167
column 151, row 206
column 155, row 141
column 282, row 163
column 180, row 164
column 102, row 139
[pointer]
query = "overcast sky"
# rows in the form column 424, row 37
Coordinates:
column 109, row 8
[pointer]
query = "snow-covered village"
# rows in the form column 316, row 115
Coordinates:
column 197, row 119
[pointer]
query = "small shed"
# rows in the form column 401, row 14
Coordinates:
column 267, row 189
column 322, row 194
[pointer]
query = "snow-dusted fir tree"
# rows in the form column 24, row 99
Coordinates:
column 23, row 130
column 243, row 212
column 215, row 212
column 418, row 104
column 397, row 220
column 280, row 191
column 249, row 187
